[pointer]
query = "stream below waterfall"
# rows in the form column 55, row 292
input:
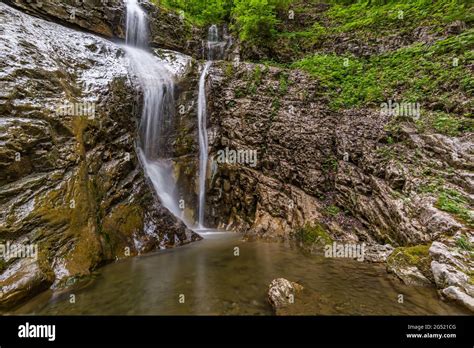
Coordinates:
column 215, row 281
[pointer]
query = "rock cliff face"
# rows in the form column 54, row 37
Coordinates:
column 107, row 18
column 71, row 183
column 331, row 169
column 70, row 179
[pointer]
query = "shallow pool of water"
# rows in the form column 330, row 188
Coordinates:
column 207, row 277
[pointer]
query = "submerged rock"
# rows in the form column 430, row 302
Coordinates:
column 282, row 292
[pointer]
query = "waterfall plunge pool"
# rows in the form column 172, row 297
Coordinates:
column 207, row 278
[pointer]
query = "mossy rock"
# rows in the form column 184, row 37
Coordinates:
column 417, row 256
column 311, row 234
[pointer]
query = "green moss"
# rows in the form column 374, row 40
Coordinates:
column 229, row 70
column 417, row 256
column 283, row 83
column 329, row 164
column 124, row 220
column 254, row 81
column 431, row 185
column 445, row 123
column 332, row 210
column 239, row 93
column 310, row 234
column 454, row 203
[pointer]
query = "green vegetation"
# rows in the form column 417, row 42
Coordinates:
column 413, row 73
column 229, row 70
column 447, row 124
column 253, row 20
column 332, row 210
column 310, row 234
column 283, row 87
column 454, row 203
column 256, row 20
column 382, row 15
column 200, row 12
column 463, row 243
column 329, row 164
column 417, row 256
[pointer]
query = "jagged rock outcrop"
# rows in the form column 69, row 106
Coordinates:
column 453, row 269
column 70, row 183
column 332, row 167
column 340, row 157
column 107, row 18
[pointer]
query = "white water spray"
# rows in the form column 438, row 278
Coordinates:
column 136, row 29
column 157, row 85
column 203, row 142
column 215, row 50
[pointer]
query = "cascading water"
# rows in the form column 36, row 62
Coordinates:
column 136, row 29
column 158, row 108
column 203, row 142
column 214, row 51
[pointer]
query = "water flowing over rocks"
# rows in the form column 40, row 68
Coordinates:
column 74, row 185
column 107, row 18
column 71, row 183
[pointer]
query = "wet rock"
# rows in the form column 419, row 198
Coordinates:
column 456, row 294
column 282, row 292
column 411, row 265
column 107, row 18
column 452, row 270
column 377, row 253
column 307, row 155
column 410, row 275
column 71, row 182
column 20, row 281
column 102, row 17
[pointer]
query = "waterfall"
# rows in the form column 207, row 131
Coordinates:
column 203, row 143
column 215, row 50
column 136, row 28
column 157, row 85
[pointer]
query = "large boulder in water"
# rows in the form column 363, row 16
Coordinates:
column 70, row 180
column 282, row 292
